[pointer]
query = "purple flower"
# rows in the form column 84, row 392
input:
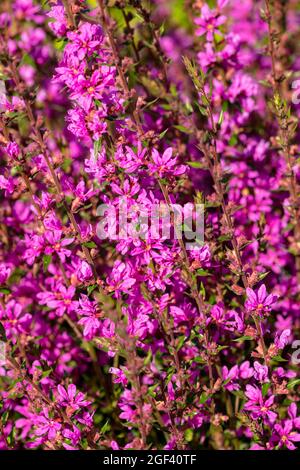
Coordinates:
column 46, row 425
column 259, row 406
column 209, row 22
column 14, row 320
column 245, row 371
column 120, row 280
column 84, row 271
column 281, row 340
column 260, row 372
column 89, row 89
column 61, row 300
column 69, row 70
column 71, row 399
column 55, row 244
column 86, row 40
column 166, row 165
column 259, row 302
column 120, row 377
column 230, row 377
column 7, row 184
column 59, row 25
column 91, row 316
column 73, row 435
column 201, row 256
column 27, row 73
column 292, row 412
column 129, row 160
column 12, row 149
column 284, row 436
column 5, row 271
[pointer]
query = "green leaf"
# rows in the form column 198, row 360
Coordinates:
column 279, row 359
column 97, row 147
column 221, row 118
column 203, row 273
column 46, row 261
column 179, row 13
column 183, row 129
column 2, row 333
column 203, row 398
column 224, row 238
column 202, row 290
column 90, row 244
column 199, row 360
column 59, row 44
column 225, row 105
column 5, row 290
column 293, row 383
column 151, row 390
column 202, row 109
column 180, row 342
column 233, row 140
column 188, row 435
column 90, row 289
column 163, row 133
column 105, row 427
column 265, row 388
column 195, row 164
column 263, row 275
column 242, row 338
column 150, row 103
column 46, row 373
column 148, row 358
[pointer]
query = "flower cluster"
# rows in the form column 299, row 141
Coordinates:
column 184, row 347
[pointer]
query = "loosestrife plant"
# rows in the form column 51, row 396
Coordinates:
column 124, row 322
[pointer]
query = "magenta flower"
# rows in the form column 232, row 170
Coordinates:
column 69, row 71
column 59, row 25
column 34, row 247
column 85, row 40
column 73, row 435
column 259, row 302
column 27, row 9
column 47, row 426
column 27, row 73
column 292, row 412
column 91, row 117
column 166, row 165
column 209, row 22
column 201, row 254
column 7, row 184
column 13, row 149
column 119, row 376
column 84, row 271
column 15, row 321
column 90, row 316
column 259, row 406
column 55, row 244
column 230, row 377
column 283, row 338
column 61, row 300
column 261, row 372
column 5, row 272
column 71, row 399
column 89, row 89
column 284, row 436
column 142, row 326
column 119, row 280
column 131, row 161
column 245, row 371
column 108, row 328
column 147, row 249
